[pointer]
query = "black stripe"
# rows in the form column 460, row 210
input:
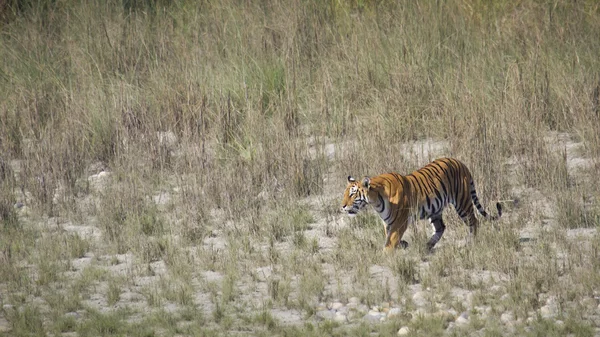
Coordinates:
column 413, row 184
column 437, row 194
column 423, row 185
column 432, row 172
column 444, row 188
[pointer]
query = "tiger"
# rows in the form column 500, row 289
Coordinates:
column 400, row 199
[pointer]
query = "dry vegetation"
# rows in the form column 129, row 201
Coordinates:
column 176, row 167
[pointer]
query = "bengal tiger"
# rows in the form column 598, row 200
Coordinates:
column 424, row 193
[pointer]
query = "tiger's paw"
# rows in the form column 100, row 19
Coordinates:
column 401, row 244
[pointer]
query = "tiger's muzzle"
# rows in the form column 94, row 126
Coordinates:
column 355, row 208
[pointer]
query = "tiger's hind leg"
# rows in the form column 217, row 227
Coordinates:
column 439, row 227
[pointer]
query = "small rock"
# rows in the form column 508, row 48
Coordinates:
column 507, row 318
column 322, row 307
column 336, row 306
column 462, row 319
column 394, row 312
column 5, row 326
column 373, row 316
column 559, row 323
column 469, row 299
column 548, row 311
column 343, row 310
column 483, row 311
column 340, row 318
column 403, row 331
column 362, row 308
column 589, row 303
column 419, row 299
column 326, row 314
column 375, row 308
column 73, row 314
column 445, row 316
column 162, row 198
column 354, row 300
column 353, row 315
column 98, row 181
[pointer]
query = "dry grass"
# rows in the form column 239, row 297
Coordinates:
column 175, row 168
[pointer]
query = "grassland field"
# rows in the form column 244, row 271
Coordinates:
column 175, row 168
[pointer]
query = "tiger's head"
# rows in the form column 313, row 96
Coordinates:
column 356, row 195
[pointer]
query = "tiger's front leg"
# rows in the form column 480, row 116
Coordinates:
column 394, row 235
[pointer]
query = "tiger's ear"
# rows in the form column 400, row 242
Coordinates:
column 351, row 180
column 366, row 182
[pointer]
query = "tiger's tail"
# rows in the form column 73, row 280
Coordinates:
column 481, row 209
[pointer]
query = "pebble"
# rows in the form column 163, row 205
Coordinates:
column 462, row 319
column 589, row 303
column 362, row 308
column 73, row 314
column 419, row 299
column 507, row 318
column 341, row 318
column 403, row 331
column 326, row 314
column 548, row 311
column 354, row 300
column 337, row 306
column 343, row 310
column 445, row 316
column 374, row 313
column 394, row 312
column 344, row 313
column 373, row 316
